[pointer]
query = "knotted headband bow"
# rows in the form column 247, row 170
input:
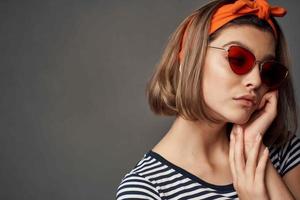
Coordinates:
column 260, row 8
column 228, row 12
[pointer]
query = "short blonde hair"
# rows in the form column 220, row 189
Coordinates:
column 172, row 93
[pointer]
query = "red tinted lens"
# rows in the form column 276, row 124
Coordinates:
column 273, row 73
column 240, row 59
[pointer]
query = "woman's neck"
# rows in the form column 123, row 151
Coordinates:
column 195, row 141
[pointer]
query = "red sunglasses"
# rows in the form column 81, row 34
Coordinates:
column 242, row 61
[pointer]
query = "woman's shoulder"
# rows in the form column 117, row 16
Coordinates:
column 286, row 157
column 136, row 184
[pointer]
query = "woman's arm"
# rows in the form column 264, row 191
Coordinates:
column 277, row 188
column 248, row 174
column 292, row 180
column 289, row 172
column 258, row 124
column 285, row 184
column 134, row 186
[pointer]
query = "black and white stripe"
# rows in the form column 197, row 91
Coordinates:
column 154, row 177
column 286, row 158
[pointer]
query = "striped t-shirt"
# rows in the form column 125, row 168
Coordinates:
column 154, row 177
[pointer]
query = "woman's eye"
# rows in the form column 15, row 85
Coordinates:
column 238, row 60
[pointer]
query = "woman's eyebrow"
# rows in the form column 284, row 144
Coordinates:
column 266, row 57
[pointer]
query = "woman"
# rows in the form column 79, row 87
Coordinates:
column 225, row 76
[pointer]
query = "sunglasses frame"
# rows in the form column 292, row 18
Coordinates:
column 260, row 63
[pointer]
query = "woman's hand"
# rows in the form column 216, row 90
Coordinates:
column 248, row 174
column 260, row 120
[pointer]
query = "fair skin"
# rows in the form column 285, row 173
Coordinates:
column 189, row 144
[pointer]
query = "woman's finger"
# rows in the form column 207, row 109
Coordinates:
column 231, row 157
column 261, row 167
column 251, row 162
column 239, row 152
column 262, row 103
column 268, row 100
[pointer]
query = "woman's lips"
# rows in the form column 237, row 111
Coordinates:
column 245, row 102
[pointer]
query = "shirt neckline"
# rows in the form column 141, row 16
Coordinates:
column 228, row 187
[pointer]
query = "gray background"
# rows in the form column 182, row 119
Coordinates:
column 74, row 117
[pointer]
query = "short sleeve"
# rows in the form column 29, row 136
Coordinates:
column 290, row 155
column 134, row 186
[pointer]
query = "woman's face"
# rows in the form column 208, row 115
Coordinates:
column 221, row 85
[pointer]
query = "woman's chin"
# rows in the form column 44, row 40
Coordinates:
column 236, row 116
column 240, row 118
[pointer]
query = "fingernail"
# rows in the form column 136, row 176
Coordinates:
column 239, row 129
column 258, row 137
column 266, row 150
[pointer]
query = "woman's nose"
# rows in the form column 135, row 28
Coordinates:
column 253, row 78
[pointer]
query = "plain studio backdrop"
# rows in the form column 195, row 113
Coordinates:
column 74, row 115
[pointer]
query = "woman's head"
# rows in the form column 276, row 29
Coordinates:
column 201, row 85
column 221, row 85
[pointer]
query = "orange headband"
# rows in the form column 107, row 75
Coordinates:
column 228, row 12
